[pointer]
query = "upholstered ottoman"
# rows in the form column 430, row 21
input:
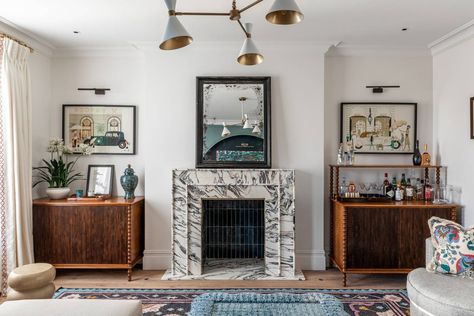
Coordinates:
column 31, row 281
column 437, row 294
column 71, row 307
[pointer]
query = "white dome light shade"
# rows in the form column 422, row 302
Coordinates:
column 256, row 130
column 249, row 54
column 175, row 35
column 284, row 12
column 247, row 123
column 225, row 131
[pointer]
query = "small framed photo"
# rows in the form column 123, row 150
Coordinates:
column 108, row 129
column 379, row 128
column 100, row 180
column 472, row 117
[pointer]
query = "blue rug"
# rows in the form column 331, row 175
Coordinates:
column 255, row 304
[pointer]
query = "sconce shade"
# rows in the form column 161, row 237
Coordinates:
column 256, row 130
column 225, row 131
column 175, row 35
column 284, row 12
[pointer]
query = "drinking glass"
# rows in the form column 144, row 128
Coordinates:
column 440, row 195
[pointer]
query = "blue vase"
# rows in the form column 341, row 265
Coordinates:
column 129, row 182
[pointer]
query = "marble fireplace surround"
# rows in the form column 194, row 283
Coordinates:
column 275, row 186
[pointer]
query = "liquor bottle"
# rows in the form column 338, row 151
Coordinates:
column 398, row 193
column 426, row 158
column 386, row 185
column 340, row 155
column 428, row 190
column 343, row 188
column 420, row 187
column 417, row 155
column 403, row 182
column 394, row 186
column 409, row 191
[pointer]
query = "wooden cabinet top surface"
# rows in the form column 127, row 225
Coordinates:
column 114, row 201
column 402, row 204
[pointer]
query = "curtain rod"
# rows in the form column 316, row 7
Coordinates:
column 17, row 40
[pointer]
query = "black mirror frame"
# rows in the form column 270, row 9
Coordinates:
column 112, row 167
column 267, row 163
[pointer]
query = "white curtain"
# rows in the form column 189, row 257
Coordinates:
column 16, row 111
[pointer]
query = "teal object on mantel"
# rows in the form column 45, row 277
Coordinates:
column 129, row 182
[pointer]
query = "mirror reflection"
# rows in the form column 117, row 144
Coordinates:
column 233, row 122
column 100, row 180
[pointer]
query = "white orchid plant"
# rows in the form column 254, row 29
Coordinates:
column 58, row 172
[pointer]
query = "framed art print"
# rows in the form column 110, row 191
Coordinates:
column 108, row 129
column 379, row 127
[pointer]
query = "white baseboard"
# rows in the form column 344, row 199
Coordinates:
column 305, row 259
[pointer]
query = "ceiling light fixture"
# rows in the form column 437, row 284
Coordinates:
column 283, row 12
column 256, row 130
column 225, row 130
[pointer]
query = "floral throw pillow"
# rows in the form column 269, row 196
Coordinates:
column 454, row 247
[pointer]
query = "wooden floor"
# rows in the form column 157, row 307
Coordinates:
column 330, row 279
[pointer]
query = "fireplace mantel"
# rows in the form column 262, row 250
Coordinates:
column 275, row 186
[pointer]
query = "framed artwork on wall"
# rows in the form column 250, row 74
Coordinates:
column 108, row 129
column 233, row 122
column 379, row 127
column 471, row 104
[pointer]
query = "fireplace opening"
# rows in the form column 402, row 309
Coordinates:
column 233, row 229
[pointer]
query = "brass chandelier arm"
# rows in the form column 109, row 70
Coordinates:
column 250, row 6
column 202, row 13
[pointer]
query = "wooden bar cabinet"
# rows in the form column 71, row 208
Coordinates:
column 89, row 235
column 381, row 237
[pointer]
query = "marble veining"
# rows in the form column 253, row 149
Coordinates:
column 275, row 186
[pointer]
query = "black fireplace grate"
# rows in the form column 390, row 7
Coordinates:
column 233, row 229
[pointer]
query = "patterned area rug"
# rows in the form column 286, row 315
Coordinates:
column 178, row 302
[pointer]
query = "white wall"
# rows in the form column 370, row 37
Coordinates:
column 347, row 74
column 453, row 86
column 297, row 73
column 124, row 75
column 163, row 86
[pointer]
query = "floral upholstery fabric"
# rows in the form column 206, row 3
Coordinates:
column 454, row 247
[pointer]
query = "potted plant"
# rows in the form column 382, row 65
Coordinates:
column 58, row 172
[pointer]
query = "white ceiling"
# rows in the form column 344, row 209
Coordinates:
column 354, row 22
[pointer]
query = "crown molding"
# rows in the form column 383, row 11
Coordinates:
column 37, row 43
column 453, row 38
column 343, row 50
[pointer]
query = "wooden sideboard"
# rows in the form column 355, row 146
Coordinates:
column 382, row 237
column 89, row 235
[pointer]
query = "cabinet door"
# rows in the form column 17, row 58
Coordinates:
column 372, row 238
column 413, row 232
column 80, row 234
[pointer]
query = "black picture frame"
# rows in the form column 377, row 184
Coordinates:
column 134, row 128
column 112, row 176
column 266, row 163
column 374, row 104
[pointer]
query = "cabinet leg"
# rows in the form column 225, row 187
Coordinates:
column 129, row 274
column 344, row 280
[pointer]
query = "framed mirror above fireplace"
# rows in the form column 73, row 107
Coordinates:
column 233, row 122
